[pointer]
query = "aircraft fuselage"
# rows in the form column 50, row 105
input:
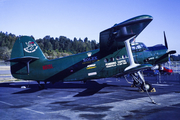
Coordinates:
column 87, row 65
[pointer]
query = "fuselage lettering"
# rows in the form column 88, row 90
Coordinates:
column 90, row 60
column 45, row 67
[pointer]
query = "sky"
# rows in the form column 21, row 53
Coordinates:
column 87, row 18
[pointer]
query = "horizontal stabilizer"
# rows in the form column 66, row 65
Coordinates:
column 23, row 59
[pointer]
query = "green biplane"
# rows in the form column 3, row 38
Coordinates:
column 117, row 56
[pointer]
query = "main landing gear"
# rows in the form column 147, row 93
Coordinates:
column 137, row 76
column 41, row 86
column 141, row 83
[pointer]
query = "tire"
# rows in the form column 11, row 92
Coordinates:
column 148, row 86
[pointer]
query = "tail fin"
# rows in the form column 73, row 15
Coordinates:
column 24, row 52
column 26, row 46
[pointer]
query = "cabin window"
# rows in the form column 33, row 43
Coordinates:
column 111, row 59
column 117, row 58
column 124, row 57
column 105, row 60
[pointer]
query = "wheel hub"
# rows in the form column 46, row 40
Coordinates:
column 146, row 86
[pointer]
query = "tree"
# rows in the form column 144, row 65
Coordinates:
column 86, row 40
column 49, row 45
column 56, row 45
column 5, row 53
column 41, row 45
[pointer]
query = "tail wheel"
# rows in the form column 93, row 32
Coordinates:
column 147, row 86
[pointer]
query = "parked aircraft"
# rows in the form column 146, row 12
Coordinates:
column 117, row 56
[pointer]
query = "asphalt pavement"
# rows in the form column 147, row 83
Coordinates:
column 109, row 99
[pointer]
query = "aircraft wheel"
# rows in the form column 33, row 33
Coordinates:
column 147, row 86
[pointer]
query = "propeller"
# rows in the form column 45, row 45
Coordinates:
column 165, row 40
column 166, row 44
column 159, row 60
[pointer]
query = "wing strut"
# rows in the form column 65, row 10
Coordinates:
column 130, row 55
column 27, row 64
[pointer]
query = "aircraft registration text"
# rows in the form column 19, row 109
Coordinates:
column 114, row 64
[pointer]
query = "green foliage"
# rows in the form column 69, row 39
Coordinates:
column 52, row 48
column 5, row 53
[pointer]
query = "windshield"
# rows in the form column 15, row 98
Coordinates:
column 137, row 47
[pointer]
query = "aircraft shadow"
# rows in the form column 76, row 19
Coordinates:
column 30, row 88
column 91, row 87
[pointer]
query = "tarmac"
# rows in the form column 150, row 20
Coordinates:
column 106, row 99
column 102, row 99
column 5, row 74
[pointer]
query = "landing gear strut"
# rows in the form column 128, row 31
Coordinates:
column 138, row 78
column 141, row 83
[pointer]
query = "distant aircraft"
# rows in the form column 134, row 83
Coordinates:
column 117, row 56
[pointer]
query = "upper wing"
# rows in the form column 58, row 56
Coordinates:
column 114, row 37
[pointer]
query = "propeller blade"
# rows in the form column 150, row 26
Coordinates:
column 165, row 41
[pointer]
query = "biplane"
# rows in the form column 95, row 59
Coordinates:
column 118, row 55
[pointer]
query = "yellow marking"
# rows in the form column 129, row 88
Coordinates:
column 153, row 90
column 91, row 67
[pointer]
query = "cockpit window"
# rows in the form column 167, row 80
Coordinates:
column 133, row 48
column 137, row 47
column 143, row 46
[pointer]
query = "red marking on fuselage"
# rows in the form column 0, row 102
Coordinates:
column 45, row 67
column 31, row 43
